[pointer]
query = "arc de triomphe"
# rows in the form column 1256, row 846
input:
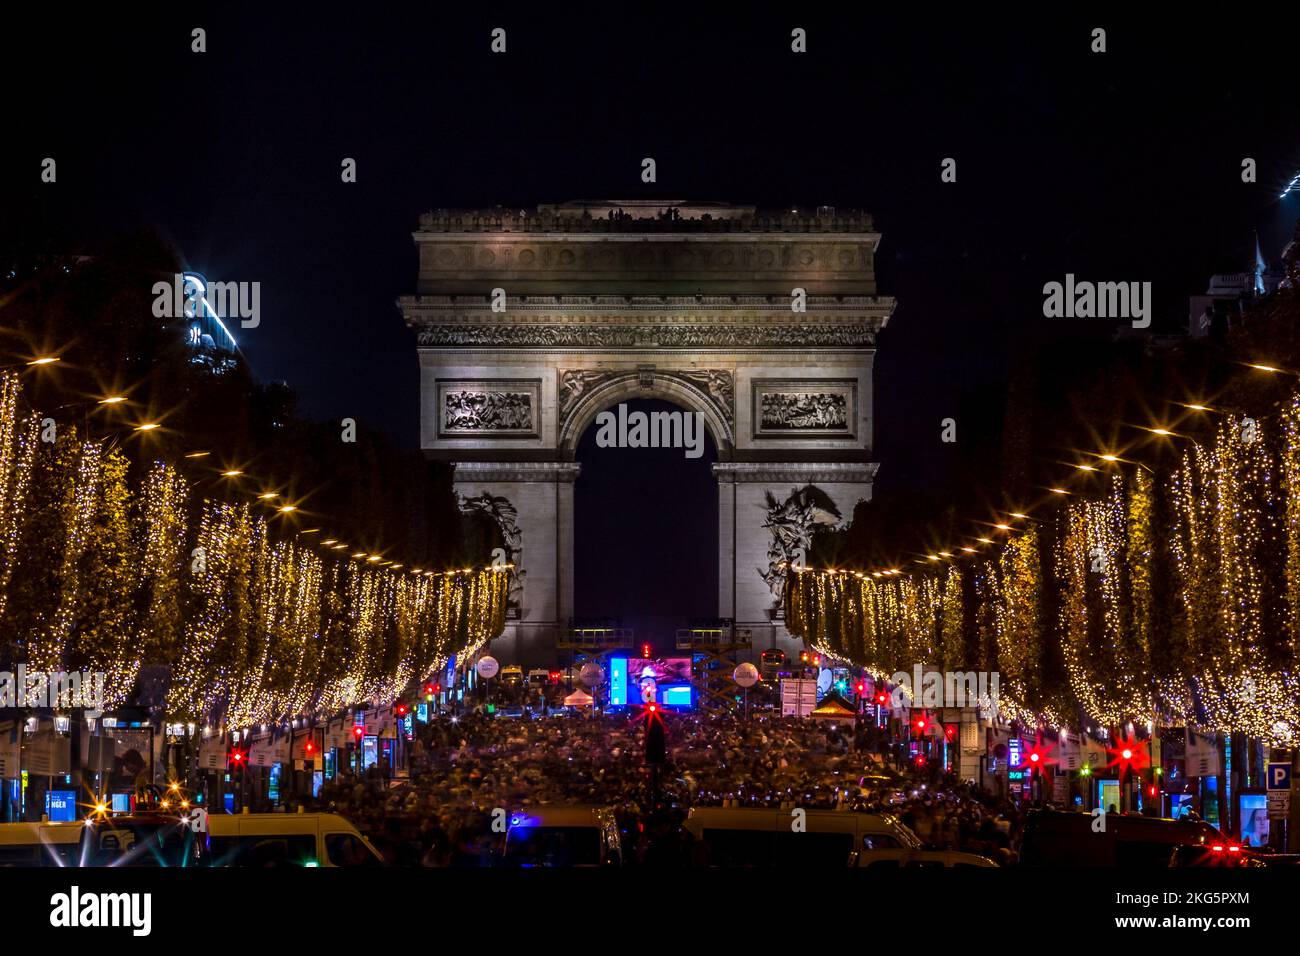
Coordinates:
column 531, row 322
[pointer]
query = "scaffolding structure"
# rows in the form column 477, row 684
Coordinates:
column 714, row 646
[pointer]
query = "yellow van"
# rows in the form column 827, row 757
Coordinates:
column 39, row 844
column 288, row 839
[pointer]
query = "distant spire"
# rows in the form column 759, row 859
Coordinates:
column 1260, row 267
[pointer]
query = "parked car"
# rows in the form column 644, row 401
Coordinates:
column 1065, row 838
column 1215, row 854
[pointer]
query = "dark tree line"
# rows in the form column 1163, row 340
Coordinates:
column 94, row 310
column 1067, row 398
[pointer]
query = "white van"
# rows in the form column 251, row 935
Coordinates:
column 758, row 836
column 288, row 839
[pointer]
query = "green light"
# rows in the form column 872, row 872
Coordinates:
column 492, row 708
column 311, row 864
column 1086, row 771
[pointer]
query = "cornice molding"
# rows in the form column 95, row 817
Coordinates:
column 741, row 472
column 470, row 471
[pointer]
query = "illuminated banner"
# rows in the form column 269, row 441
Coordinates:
column 259, row 751
column 49, row 754
column 212, row 753
column 301, row 751
column 11, row 739
column 1202, row 755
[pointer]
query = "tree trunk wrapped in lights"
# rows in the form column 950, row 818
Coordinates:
column 19, row 439
column 107, row 577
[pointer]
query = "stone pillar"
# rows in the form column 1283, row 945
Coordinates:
column 564, row 543
column 726, row 547
column 534, row 503
column 745, row 513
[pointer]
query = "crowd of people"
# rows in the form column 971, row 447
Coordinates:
column 466, row 768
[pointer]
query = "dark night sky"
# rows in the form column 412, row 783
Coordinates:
column 1116, row 166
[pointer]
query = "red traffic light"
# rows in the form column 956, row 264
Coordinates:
column 358, row 731
column 861, row 688
column 237, row 756
column 645, row 650
column 430, row 689
column 402, row 710
column 1129, row 754
column 950, row 731
column 882, row 698
column 310, row 746
column 920, row 723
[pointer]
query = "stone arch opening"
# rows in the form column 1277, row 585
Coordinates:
column 673, row 388
column 645, row 533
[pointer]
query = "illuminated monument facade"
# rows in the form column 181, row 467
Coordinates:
column 531, row 322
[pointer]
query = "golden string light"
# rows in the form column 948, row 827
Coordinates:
column 101, row 573
column 1218, row 649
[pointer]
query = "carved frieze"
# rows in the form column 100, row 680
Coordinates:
column 495, row 408
column 650, row 336
column 804, row 408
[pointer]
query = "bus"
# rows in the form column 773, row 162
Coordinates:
column 771, row 664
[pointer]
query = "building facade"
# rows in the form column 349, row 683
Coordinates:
column 531, row 322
